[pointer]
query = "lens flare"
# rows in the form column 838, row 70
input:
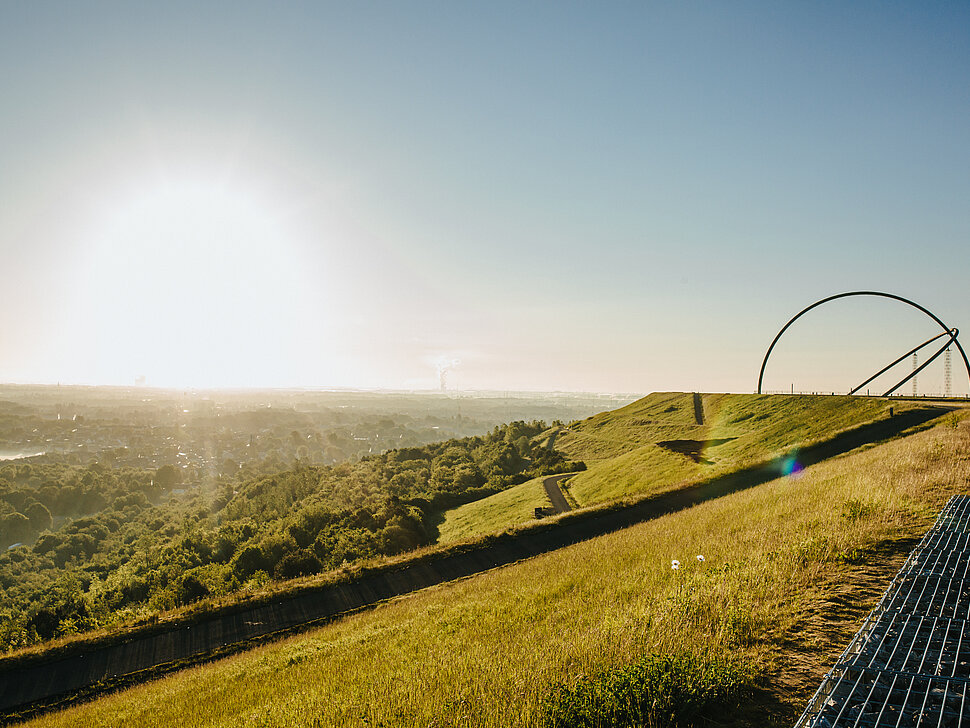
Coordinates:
column 790, row 467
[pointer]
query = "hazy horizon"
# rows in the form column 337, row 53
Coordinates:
column 148, row 387
column 610, row 198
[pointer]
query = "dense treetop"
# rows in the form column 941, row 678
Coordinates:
column 101, row 544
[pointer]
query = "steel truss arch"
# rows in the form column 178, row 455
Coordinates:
column 947, row 331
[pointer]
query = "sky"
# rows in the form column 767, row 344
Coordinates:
column 616, row 197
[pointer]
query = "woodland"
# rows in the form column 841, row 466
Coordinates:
column 94, row 539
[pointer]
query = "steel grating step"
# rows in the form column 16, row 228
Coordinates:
column 955, row 516
column 870, row 698
column 920, row 645
column 929, row 595
column 942, row 541
column 909, row 663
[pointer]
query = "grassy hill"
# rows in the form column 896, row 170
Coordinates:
column 625, row 460
column 789, row 568
column 495, row 513
column 627, row 455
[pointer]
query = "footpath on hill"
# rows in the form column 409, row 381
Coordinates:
column 30, row 684
column 554, row 492
column 698, row 408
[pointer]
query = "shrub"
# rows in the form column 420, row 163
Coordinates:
column 191, row 589
column 299, row 563
column 656, row 691
column 248, row 561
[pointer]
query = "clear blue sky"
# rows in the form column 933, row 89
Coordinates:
column 580, row 196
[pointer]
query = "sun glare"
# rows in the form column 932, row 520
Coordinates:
column 194, row 284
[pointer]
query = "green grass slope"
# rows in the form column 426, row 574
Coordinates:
column 497, row 649
column 620, row 448
column 656, row 417
column 624, row 459
column 647, row 470
column 515, row 505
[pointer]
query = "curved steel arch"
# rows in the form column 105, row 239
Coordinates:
column 805, row 310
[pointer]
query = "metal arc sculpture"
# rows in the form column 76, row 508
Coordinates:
column 950, row 334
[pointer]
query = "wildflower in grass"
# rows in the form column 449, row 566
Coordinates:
column 700, row 557
column 675, row 564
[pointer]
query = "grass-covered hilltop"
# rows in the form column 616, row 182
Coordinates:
column 784, row 515
column 667, row 440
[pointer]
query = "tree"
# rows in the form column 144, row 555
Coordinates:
column 14, row 527
column 39, row 517
column 398, row 537
column 299, row 563
column 191, row 589
column 167, row 476
column 248, row 561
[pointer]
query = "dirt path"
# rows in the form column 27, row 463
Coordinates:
column 698, row 408
column 820, row 635
column 556, row 497
column 551, row 442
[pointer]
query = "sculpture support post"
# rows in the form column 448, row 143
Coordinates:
column 946, row 331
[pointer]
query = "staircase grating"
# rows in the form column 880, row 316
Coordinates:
column 909, row 664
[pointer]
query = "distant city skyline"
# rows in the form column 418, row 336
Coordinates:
column 552, row 197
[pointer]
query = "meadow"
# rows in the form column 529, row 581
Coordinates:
column 624, row 459
column 788, row 569
column 515, row 505
column 625, row 462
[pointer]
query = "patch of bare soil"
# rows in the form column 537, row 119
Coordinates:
column 819, row 636
column 694, row 449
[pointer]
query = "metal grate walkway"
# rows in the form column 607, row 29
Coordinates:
column 909, row 665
